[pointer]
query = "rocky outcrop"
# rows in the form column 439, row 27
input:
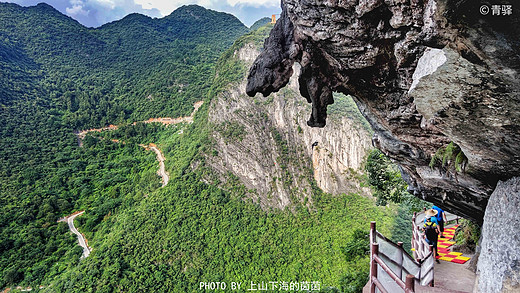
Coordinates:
column 499, row 261
column 265, row 144
column 424, row 74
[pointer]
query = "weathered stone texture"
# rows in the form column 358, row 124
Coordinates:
column 275, row 157
column 424, row 74
column 499, row 261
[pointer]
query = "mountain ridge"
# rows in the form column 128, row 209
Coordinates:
column 116, row 51
column 144, row 237
column 59, row 76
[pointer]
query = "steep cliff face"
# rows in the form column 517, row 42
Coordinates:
column 424, row 73
column 264, row 143
column 439, row 82
column 499, row 259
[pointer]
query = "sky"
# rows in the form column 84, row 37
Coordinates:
column 94, row 13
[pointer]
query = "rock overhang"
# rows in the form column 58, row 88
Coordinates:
column 424, row 74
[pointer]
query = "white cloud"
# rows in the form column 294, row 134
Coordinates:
column 98, row 12
column 77, row 8
column 255, row 3
column 94, row 13
column 107, row 3
column 166, row 7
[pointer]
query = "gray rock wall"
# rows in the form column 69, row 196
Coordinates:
column 424, row 74
column 499, row 262
column 274, row 156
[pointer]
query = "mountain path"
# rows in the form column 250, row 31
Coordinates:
column 81, row 239
column 164, row 120
column 160, row 157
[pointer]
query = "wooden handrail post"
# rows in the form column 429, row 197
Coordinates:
column 399, row 260
column 372, row 231
column 373, row 265
column 409, row 284
column 372, row 236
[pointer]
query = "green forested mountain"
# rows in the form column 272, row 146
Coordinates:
column 95, row 75
column 259, row 23
column 58, row 77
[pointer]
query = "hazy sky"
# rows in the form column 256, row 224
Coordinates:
column 94, row 13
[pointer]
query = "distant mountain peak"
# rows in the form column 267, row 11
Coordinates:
column 188, row 9
column 197, row 12
column 136, row 17
column 46, row 7
column 259, row 23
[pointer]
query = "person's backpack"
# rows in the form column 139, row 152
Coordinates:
column 430, row 229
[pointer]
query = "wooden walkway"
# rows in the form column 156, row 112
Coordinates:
column 449, row 277
column 452, row 277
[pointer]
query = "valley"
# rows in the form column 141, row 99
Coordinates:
column 244, row 193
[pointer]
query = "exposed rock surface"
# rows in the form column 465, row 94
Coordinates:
column 424, row 74
column 499, row 261
column 264, row 142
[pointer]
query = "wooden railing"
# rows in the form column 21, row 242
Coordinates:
column 390, row 259
column 408, row 286
column 421, row 249
column 396, row 263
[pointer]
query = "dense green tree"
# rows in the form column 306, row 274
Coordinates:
column 59, row 77
column 385, row 178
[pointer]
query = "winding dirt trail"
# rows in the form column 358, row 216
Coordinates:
column 162, row 169
column 164, row 120
column 81, row 239
column 160, row 157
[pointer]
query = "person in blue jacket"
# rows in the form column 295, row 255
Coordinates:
column 441, row 219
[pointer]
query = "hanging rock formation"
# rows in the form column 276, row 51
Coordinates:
column 425, row 74
column 266, row 144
